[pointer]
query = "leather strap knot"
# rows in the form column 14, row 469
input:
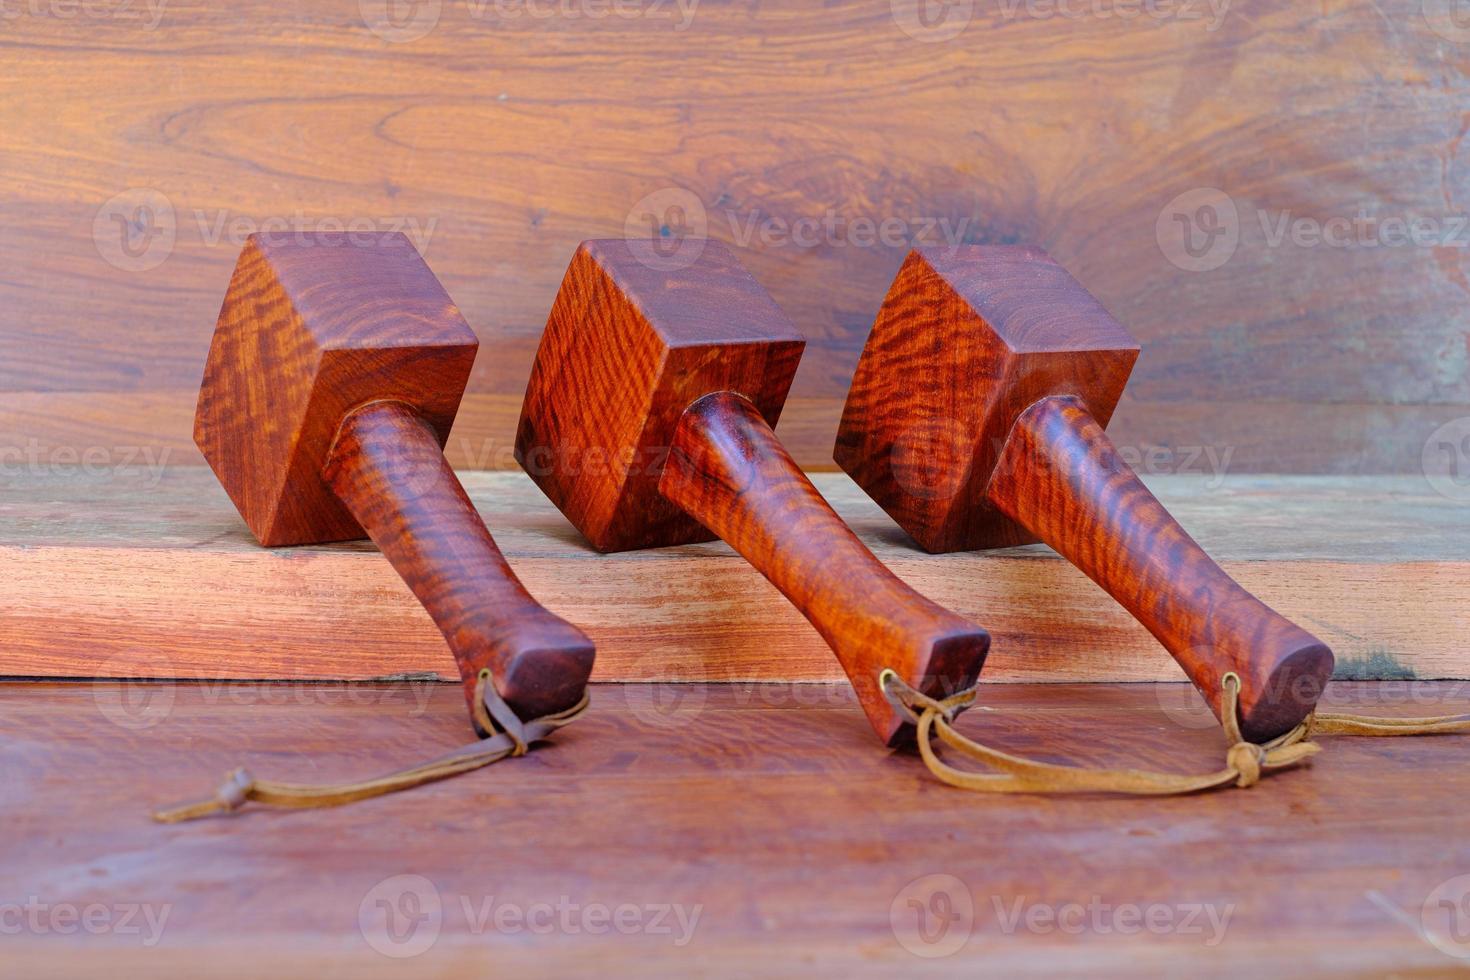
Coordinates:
column 1247, row 759
column 236, row 789
column 504, row 736
column 906, row 700
column 493, row 715
column 1245, row 762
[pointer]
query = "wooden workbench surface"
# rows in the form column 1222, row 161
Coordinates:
column 127, row 573
column 765, row 811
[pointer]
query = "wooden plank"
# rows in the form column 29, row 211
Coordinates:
column 769, row 811
column 121, row 573
column 1196, row 438
column 503, row 140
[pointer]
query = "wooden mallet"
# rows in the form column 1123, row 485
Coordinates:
column 648, row 421
column 976, row 420
column 336, row 369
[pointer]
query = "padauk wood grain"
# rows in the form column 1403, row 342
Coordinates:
column 648, row 420
column 335, row 371
column 128, row 574
column 976, row 420
column 501, row 142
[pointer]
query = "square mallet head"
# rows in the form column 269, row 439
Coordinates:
column 313, row 325
column 967, row 339
column 630, row 344
column 337, row 365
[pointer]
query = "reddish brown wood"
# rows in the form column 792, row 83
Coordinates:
column 760, row 805
column 976, row 420
column 388, row 468
column 619, row 433
column 787, row 128
column 730, row 472
column 1060, row 477
column 81, row 552
column 332, row 381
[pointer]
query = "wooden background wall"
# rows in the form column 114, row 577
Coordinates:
column 509, row 131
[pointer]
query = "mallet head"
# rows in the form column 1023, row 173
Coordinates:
column 629, row 345
column 967, row 339
column 312, row 327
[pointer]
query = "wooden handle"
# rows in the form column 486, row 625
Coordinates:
column 728, row 470
column 387, row 467
column 1060, row 477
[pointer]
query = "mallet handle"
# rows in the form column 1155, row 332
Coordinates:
column 1061, row 478
column 728, row 470
column 387, row 467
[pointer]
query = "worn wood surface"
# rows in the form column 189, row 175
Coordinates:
column 501, row 141
column 123, row 572
column 766, row 810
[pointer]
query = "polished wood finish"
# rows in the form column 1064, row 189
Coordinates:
column 387, row 467
column 648, row 423
column 628, row 347
column 763, row 805
column 730, row 472
column 309, row 331
column 131, row 574
column 967, row 339
column 1061, row 477
column 976, row 421
column 508, row 139
column 332, row 381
